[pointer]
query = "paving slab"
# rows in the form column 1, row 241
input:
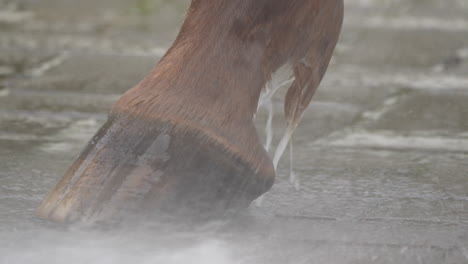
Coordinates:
column 380, row 161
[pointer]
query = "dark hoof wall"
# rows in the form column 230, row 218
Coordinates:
column 135, row 167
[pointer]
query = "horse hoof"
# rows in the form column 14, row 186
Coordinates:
column 136, row 167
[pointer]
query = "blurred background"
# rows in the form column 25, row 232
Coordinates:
column 381, row 155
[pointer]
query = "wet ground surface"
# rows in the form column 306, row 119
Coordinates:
column 382, row 153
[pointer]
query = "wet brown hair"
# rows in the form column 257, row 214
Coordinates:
column 226, row 51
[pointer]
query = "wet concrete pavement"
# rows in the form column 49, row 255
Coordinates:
column 381, row 156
